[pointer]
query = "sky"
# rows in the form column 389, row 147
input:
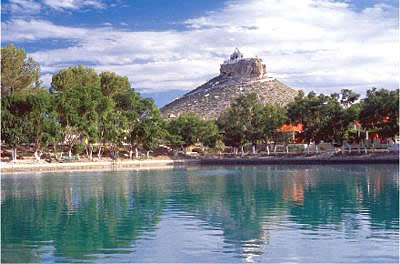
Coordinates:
column 169, row 47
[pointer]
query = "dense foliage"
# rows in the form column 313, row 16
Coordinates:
column 250, row 121
column 89, row 112
column 380, row 111
column 83, row 111
column 18, row 72
column 189, row 129
column 324, row 118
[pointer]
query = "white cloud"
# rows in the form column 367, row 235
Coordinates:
column 73, row 4
column 18, row 7
column 320, row 45
column 18, row 30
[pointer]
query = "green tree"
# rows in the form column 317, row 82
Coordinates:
column 255, row 132
column 273, row 117
column 90, row 104
column 380, row 112
column 175, row 141
column 342, row 114
column 78, row 76
column 19, row 73
column 232, row 131
column 45, row 128
column 185, row 131
column 242, row 122
column 105, row 109
column 115, row 132
column 324, row 117
column 308, row 110
column 151, row 126
column 210, row 134
column 111, row 83
column 189, row 129
column 78, row 115
column 348, row 97
column 14, row 128
column 132, row 107
column 219, row 146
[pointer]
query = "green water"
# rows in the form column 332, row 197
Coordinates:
column 346, row 213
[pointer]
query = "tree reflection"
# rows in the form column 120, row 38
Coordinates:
column 84, row 215
column 245, row 201
column 78, row 217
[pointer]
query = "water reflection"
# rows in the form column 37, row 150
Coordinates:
column 87, row 216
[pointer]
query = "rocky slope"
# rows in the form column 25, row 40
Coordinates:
column 237, row 77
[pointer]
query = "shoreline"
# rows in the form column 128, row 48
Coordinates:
column 299, row 161
column 97, row 165
column 9, row 167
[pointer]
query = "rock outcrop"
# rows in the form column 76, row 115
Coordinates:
column 245, row 68
column 238, row 76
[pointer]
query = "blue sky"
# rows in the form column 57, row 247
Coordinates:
column 167, row 48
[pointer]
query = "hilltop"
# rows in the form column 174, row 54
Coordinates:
column 238, row 76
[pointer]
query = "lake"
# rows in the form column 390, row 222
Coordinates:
column 276, row 213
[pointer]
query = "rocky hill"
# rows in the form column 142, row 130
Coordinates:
column 238, row 76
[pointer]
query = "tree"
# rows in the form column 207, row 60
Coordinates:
column 342, row 113
column 308, row 110
column 242, row 122
column 175, row 141
column 273, row 117
column 151, row 126
column 115, row 131
column 231, row 129
column 348, row 97
column 14, row 128
column 90, row 104
column 78, row 115
column 189, row 129
column 105, row 110
column 324, row 117
column 219, row 146
column 255, row 132
column 18, row 72
column 45, row 128
column 210, row 134
column 111, row 83
column 78, row 76
column 380, row 111
column 132, row 108
column 186, row 130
